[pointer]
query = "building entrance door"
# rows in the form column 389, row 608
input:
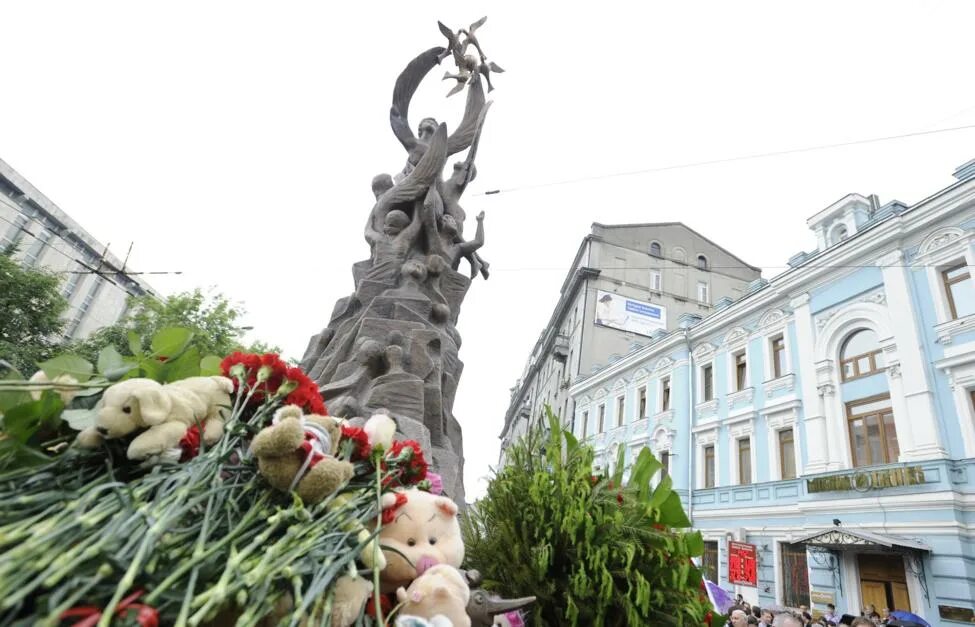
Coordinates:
column 883, row 582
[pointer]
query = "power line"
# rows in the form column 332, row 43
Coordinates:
column 696, row 164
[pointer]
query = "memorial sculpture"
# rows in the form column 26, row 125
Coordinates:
column 393, row 345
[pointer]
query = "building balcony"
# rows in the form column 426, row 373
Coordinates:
column 741, row 398
column 776, row 387
column 560, row 348
column 707, row 408
column 948, row 331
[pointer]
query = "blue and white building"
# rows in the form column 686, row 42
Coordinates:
column 827, row 416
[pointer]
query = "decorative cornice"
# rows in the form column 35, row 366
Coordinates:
column 799, row 301
column 893, row 258
column 707, row 407
column 939, row 239
column 771, row 318
column 663, row 364
column 877, row 297
column 703, row 350
column 785, row 382
column 741, row 396
column 736, row 337
column 948, row 330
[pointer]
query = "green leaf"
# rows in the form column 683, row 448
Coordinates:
column 183, row 367
column 116, row 374
column 210, row 366
column 12, row 398
column 23, row 421
column 109, row 359
column 153, row 369
column 672, row 512
column 71, row 365
column 695, row 544
column 79, row 419
column 171, row 341
column 135, row 343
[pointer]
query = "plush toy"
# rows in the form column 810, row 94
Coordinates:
column 439, row 591
column 166, row 412
column 297, row 452
column 419, row 527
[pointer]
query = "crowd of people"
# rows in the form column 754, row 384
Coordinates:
column 743, row 615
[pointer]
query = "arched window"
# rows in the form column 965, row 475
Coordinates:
column 679, row 254
column 702, row 262
column 655, row 249
column 861, row 355
column 839, row 233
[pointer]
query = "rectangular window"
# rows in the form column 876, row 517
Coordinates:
column 744, row 461
column 795, row 571
column 656, row 283
column 709, row 466
column 642, row 403
column 665, row 460
column 709, row 563
column 601, row 421
column 665, row 394
column 620, row 406
column 702, row 292
column 778, row 356
column 707, row 382
column 585, row 423
column 873, row 437
column 959, row 291
column 787, row 454
column 741, row 371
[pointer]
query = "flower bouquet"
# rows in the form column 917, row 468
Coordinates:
column 190, row 535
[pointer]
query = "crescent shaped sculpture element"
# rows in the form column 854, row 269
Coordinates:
column 406, row 84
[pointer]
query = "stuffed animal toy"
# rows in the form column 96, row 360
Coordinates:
column 439, row 591
column 422, row 528
column 166, row 412
column 297, row 452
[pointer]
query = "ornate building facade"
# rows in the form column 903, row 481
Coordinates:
column 822, row 427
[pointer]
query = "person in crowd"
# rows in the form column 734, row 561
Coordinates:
column 765, row 618
column 861, row 621
column 752, row 620
column 738, row 617
column 830, row 613
column 786, row 619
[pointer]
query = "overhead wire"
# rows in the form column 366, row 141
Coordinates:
column 696, row 164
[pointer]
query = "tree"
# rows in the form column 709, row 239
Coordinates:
column 214, row 321
column 30, row 314
column 592, row 550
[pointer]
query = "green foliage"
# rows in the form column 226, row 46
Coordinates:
column 593, row 552
column 30, row 429
column 30, row 314
column 210, row 324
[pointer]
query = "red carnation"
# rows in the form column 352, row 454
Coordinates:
column 389, row 514
column 361, row 449
column 409, row 472
column 265, row 374
column 190, row 443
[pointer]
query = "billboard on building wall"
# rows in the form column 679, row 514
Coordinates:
column 742, row 564
column 626, row 314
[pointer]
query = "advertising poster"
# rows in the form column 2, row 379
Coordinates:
column 635, row 316
column 742, row 564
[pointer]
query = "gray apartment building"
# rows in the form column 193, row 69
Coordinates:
column 627, row 283
column 95, row 283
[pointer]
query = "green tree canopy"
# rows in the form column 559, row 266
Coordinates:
column 30, row 314
column 214, row 320
column 593, row 550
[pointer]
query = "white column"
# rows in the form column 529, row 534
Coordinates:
column 817, row 444
column 918, row 400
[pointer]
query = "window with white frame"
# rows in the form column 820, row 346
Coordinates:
column 787, row 453
column 620, row 408
column 710, row 465
column 702, row 292
column 959, row 290
column 707, row 382
column 665, row 394
column 641, row 402
column 656, row 281
column 601, row 419
column 585, row 423
column 777, row 355
column 702, row 262
column 744, row 452
column 656, row 250
column 739, row 363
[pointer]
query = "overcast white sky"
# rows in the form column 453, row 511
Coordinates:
column 235, row 141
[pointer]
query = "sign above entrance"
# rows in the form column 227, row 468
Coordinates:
column 818, row 596
column 742, row 564
column 867, row 480
column 626, row 314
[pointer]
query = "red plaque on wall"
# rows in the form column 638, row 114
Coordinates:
column 742, row 564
